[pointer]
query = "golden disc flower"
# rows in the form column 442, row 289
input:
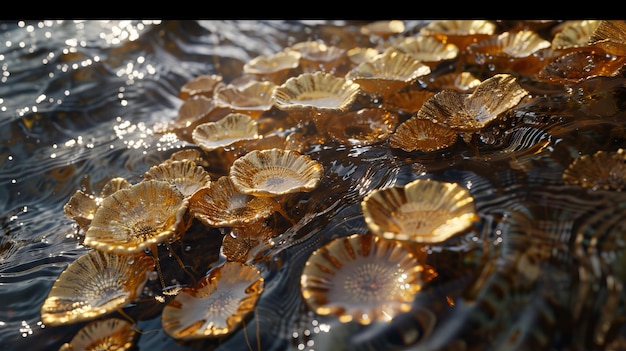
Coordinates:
column 604, row 170
column 459, row 81
column 137, row 218
column 423, row 135
column 81, row 207
column 427, row 49
column 460, row 32
column 317, row 56
column 220, row 205
column 245, row 244
column 192, row 154
column 186, row 176
column 387, row 73
column 203, row 85
column 252, row 99
column 383, row 29
column 95, row 284
column 192, row 113
column 215, row 306
column 363, row 127
column 610, row 36
column 423, row 211
column 361, row 54
column 575, row 67
column 231, row 128
column 574, row 34
column 275, row 68
column 275, row 172
column 106, row 334
column 363, row 278
column 473, row 111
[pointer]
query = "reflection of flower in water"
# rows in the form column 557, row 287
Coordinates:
column 107, row 334
column 96, row 284
column 603, row 170
column 362, row 277
column 216, row 305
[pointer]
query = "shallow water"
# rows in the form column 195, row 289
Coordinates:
column 78, row 104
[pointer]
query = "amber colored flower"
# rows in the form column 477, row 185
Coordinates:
column 473, row 111
column 136, row 218
column 383, row 29
column 245, row 244
column 275, row 172
column 459, row 81
column 275, row 68
column 186, row 176
column 427, row 49
column 192, row 113
column 387, row 73
column 216, row 305
column 363, row 278
column 252, row 99
column 191, row 154
column 460, row 32
column 423, row 135
column 604, row 170
column 95, row 284
column 317, row 56
column 220, row 205
column 363, row 127
column 423, row 211
column 203, row 85
column 81, row 207
column 225, row 132
column 610, row 36
column 575, row 67
column 408, row 101
column 361, row 54
column 105, row 334
column 574, row 34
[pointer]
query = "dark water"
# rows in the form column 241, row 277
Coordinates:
column 78, row 103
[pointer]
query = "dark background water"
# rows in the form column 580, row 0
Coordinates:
column 78, row 103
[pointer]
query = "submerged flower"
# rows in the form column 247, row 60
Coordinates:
column 603, row 170
column 137, row 218
column 106, row 334
column 95, row 284
column 423, row 135
column 275, row 172
column 363, row 278
column 423, row 211
column 216, row 305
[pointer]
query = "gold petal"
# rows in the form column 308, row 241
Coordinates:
column 134, row 219
column 362, row 277
column 253, row 99
column 203, row 85
column 186, row 176
column 275, row 172
column 226, row 131
column 275, row 68
column 95, row 284
column 423, row 135
column 603, row 170
column 216, row 305
column 423, row 211
column 106, row 334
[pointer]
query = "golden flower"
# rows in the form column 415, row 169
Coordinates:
column 317, row 56
column 363, row 127
column 610, row 36
column 459, row 81
column 363, row 278
column 252, row 99
column 94, row 285
column 106, row 334
column 275, row 172
column 136, row 218
column 186, row 176
column 604, row 170
column 383, row 29
column 216, row 305
column 427, row 49
column 408, row 101
column 423, row 211
column 423, row 135
column 81, row 207
column 577, row 66
column 387, row 73
column 473, row 111
column 459, row 32
column 192, row 113
column 220, row 205
column 574, row 34
column 191, row 154
column 245, row 244
column 275, row 68
column 225, row 132
column 203, row 85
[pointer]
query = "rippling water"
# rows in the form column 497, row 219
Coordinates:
column 78, row 103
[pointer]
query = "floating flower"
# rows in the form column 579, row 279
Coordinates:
column 81, row 207
column 604, row 170
column 423, row 135
column 459, row 32
column 106, row 334
column 215, row 306
column 192, row 154
column 459, row 81
column 252, row 99
column 186, row 176
column 231, row 128
column 473, row 111
column 387, row 73
column 575, row 67
column 275, row 172
column 192, row 113
column 408, row 101
column 427, row 49
column 383, row 29
column 137, row 218
column 275, row 68
column 220, row 205
column 574, row 34
column 423, row 211
column 363, row 127
column 361, row 54
column 95, row 284
column 316, row 56
column 203, row 85
column 363, row 278
column 610, row 36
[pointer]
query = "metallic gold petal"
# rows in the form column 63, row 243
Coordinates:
column 603, row 170
column 226, row 131
column 203, row 85
column 186, row 176
column 106, row 334
column 423, row 135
